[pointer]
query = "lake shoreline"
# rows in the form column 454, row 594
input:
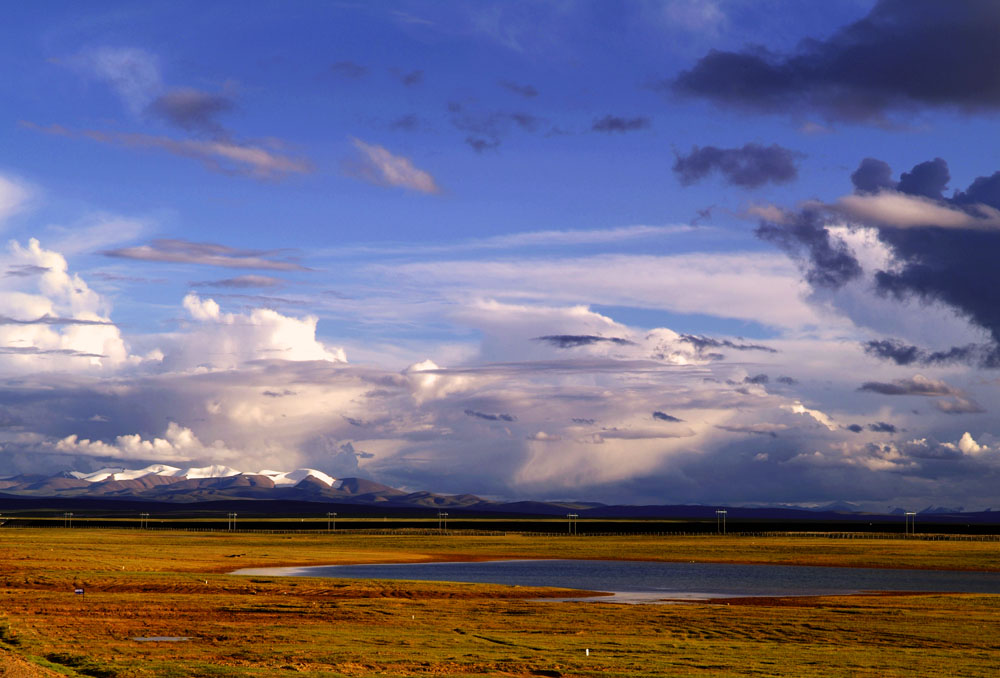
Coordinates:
column 631, row 581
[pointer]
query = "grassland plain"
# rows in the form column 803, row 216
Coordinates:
column 143, row 584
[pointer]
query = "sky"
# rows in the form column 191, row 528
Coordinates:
column 731, row 252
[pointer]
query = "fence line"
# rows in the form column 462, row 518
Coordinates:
column 498, row 533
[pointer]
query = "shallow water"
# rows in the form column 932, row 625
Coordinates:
column 634, row 581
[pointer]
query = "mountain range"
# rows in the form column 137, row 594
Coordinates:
column 173, row 485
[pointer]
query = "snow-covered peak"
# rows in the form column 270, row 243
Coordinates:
column 213, row 471
column 96, row 476
column 296, row 476
column 126, row 474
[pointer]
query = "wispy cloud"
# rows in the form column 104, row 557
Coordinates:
column 241, row 282
column 14, row 195
column 762, row 288
column 348, row 69
column 488, row 416
column 409, row 79
column 377, row 165
column 527, row 239
column 35, row 351
column 614, row 123
column 25, row 271
column 526, row 91
column 208, row 254
column 133, row 73
column 917, row 385
column 574, row 340
column 52, row 320
column 227, row 157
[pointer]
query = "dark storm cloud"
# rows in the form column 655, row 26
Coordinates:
column 827, row 261
column 581, row 420
column 891, row 349
column 759, row 379
column 955, row 266
column 348, row 69
column 872, row 176
column 855, row 428
column 751, row 166
column 882, row 427
column 906, row 354
column 192, row 110
column 614, row 123
column 927, row 179
column 491, row 417
column 904, row 54
column 984, row 190
column 916, row 386
column 786, row 380
column 701, row 342
column 663, row 416
column 952, row 263
column 574, row 340
column 526, row 91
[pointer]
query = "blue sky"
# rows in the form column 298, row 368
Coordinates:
column 666, row 251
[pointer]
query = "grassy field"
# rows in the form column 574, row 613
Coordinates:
column 154, row 584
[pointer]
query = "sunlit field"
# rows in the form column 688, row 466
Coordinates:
column 160, row 584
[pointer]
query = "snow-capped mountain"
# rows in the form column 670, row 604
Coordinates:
column 295, row 477
column 163, row 483
column 279, row 478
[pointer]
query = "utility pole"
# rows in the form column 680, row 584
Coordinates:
column 331, row 517
column 720, row 521
column 571, row 519
column 910, row 522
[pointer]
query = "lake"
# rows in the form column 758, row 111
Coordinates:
column 635, row 581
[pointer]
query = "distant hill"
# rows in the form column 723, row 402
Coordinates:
column 306, row 490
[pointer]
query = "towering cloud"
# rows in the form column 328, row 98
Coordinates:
column 50, row 319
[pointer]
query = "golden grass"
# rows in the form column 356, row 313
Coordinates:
column 173, row 584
